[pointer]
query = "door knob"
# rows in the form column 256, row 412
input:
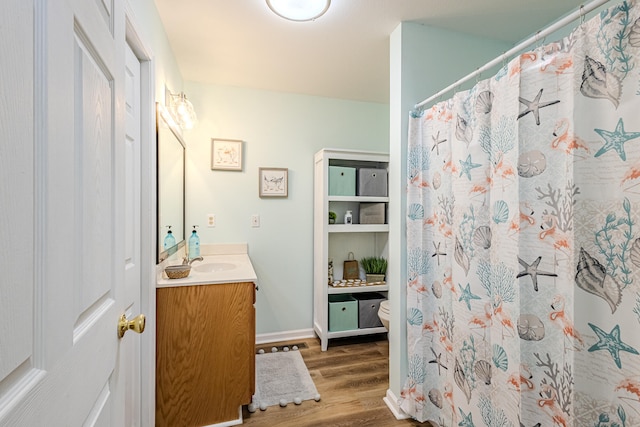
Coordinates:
column 136, row 324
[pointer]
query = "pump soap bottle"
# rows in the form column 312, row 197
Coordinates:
column 194, row 244
column 169, row 240
column 348, row 217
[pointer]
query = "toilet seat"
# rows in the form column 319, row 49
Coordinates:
column 383, row 313
column 384, row 306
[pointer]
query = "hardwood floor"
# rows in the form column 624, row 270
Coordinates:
column 352, row 377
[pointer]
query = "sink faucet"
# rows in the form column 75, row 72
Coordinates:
column 186, row 260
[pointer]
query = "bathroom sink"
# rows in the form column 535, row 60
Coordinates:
column 213, row 267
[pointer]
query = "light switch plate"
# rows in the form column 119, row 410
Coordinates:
column 255, row 220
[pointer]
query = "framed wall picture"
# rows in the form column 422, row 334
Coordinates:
column 274, row 182
column 226, row 154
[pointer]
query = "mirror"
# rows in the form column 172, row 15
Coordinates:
column 171, row 178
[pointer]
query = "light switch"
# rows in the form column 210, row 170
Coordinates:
column 255, row 220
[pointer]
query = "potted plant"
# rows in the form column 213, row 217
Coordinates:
column 375, row 268
column 332, row 217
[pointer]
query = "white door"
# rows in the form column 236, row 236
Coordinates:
column 64, row 216
column 131, row 348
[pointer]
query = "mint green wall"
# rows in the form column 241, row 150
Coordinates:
column 279, row 130
column 423, row 60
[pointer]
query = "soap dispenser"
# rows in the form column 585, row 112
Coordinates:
column 169, row 240
column 194, row 244
column 348, row 217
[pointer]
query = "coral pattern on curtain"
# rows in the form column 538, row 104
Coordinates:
column 523, row 235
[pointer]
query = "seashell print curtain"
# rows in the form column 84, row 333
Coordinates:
column 523, row 234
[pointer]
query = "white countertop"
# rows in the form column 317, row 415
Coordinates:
column 231, row 264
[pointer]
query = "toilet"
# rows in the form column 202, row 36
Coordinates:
column 383, row 313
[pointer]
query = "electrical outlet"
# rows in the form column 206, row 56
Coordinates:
column 211, row 220
column 255, row 220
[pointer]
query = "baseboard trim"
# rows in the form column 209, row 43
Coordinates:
column 285, row 336
column 392, row 403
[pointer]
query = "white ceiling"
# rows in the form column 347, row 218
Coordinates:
column 343, row 54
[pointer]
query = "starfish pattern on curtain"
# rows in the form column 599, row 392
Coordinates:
column 523, row 239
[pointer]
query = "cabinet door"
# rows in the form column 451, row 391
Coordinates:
column 205, row 356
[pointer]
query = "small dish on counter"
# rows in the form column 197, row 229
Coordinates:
column 178, row 271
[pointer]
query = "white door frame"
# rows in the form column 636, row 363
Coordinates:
column 148, row 214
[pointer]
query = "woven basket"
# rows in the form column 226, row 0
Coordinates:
column 177, row 271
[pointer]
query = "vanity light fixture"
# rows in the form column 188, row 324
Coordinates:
column 299, row 10
column 182, row 110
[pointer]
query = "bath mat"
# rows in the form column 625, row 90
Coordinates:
column 282, row 376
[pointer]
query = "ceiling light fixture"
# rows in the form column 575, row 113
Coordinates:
column 299, row 10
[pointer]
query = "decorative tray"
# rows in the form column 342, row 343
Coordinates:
column 348, row 283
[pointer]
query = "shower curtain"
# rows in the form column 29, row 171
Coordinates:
column 523, row 240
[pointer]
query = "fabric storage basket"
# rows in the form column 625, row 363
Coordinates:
column 343, row 312
column 372, row 182
column 368, row 306
column 342, row 181
column 372, row 213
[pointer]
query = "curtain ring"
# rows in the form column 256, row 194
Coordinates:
column 504, row 59
column 539, row 41
column 478, row 75
column 582, row 14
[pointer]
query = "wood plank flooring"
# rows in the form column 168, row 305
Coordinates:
column 352, row 377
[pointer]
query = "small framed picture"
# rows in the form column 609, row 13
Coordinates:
column 226, row 154
column 274, row 182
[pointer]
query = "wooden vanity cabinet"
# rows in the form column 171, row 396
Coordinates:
column 205, row 354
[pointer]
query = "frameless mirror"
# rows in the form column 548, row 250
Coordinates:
column 171, row 178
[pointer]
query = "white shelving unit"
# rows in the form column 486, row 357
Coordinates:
column 335, row 241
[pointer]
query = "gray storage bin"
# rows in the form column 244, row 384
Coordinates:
column 372, row 213
column 372, row 182
column 368, row 306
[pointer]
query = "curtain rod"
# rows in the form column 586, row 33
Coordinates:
column 541, row 34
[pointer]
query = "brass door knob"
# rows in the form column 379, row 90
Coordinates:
column 136, row 324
